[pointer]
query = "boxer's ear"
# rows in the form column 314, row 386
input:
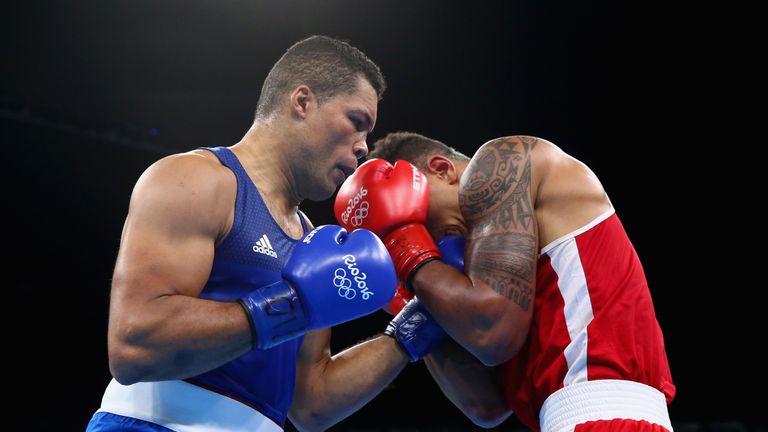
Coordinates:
column 443, row 168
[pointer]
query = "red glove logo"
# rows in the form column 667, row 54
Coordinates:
column 418, row 178
column 361, row 212
column 381, row 197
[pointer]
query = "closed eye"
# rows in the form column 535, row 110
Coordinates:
column 361, row 120
column 453, row 230
column 359, row 123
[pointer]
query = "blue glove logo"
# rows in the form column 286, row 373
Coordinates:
column 308, row 237
column 343, row 283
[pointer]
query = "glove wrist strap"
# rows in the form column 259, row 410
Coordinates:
column 275, row 313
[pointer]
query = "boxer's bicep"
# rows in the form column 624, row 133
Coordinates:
column 497, row 204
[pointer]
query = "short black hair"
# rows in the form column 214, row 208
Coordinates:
column 412, row 147
column 328, row 66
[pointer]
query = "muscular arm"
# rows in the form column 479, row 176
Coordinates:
column 330, row 388
column 473, row 387
column 158, row 328
column 489, row 311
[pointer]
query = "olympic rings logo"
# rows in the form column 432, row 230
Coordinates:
column 352, row 203
column 344, row 284
column 360, row 214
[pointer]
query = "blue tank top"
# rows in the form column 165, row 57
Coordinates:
column 252, row 255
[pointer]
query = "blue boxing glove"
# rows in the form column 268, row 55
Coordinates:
column 331, row 277
column 414, row 327
column 452, row 250
column 416, row 331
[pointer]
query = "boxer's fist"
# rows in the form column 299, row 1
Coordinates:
column 381, row 197
column 392, row 201
column 330, row 278
column 416, row 331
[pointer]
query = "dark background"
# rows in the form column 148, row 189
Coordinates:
column 94, row 92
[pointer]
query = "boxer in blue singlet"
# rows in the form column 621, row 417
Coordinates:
column 223, row 294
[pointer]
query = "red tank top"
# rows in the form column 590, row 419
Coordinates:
column 593, row 319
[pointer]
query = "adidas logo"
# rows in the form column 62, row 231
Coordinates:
column 263, row 246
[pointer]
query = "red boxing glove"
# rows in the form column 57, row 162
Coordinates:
column 381, row 197
column 410, row 247
column 392, row 201
column 399, row 301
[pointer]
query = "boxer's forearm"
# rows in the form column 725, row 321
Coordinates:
column 474, row 388
column 332, row 388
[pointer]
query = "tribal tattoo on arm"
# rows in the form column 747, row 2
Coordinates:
column 496, row 202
